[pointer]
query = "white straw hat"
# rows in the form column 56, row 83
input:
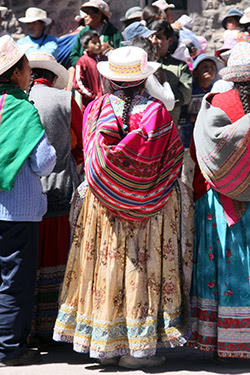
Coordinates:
column 246, row 16
column 35, row 14
column 3, row 9
column 80, row 16
column 43, row 60
column 127, row 64
column 101, row 5
column 10, row 53
column 163, row 5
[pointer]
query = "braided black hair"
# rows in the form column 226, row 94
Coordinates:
column 244, row 92
column 127, row 104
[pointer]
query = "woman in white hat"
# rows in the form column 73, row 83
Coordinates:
column 220, row 292
column 60, row 115
column 25, row 156
column 36, row 21
column 96, row 17
column 123, row 299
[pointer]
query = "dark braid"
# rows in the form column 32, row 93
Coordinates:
column 127, row 104
column 244, row 92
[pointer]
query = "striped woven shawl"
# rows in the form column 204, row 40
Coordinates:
column 223, row 152
column 132, row 176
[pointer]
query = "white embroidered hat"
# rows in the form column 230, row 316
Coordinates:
column 10, row 53
column 35, row 14
column 238, row 66
column 127, row 64
column 46, row 61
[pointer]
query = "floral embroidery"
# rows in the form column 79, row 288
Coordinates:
column 99, row 296
column 153, row 285
column 168, row 288
column 71, row 275
column 89, row 248
column 118, row 300
column 211, row 256
column 168, row 248
column 211, row 284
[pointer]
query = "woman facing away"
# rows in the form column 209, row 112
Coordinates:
column 25, row 156
column 61, row 117
column 221, row 289
column 124, row 297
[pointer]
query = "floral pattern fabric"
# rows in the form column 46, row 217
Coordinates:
column 124, row 291
column 221, row 281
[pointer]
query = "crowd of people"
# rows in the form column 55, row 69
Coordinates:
column 124, row 187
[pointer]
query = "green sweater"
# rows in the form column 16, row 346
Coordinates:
column 109, row 34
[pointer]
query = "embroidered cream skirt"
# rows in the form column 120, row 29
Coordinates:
column 125, row 290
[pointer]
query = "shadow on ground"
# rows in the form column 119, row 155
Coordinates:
column 177, row 359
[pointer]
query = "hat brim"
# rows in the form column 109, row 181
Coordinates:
column 22, row 50
column 219, row 51
column 133, row 16
column 237, row 73
column 103, row 68
column 54, row 67
column 47, row 20
column 145, row 34
column 3, row 9
column 163, row 6
column 88, row 4
column 223, row 22
column 244, row 19
column 211, row 58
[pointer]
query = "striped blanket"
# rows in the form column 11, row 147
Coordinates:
column 223, row 153
column 133, row 176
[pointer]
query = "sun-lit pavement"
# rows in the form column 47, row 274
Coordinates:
column 61, row 360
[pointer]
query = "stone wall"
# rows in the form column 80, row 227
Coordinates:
column 207, row 15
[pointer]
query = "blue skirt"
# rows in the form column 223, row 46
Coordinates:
column 221, row 281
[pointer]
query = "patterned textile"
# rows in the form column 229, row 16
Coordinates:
column 124, row 292
column 16, row 142
column 54, row 234
column 140, row 168
column 223, row 151
column 221, row 281
column 76, row 206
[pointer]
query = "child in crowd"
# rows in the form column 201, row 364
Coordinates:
column 204, row 73
column 231, row 24
column 87, row 80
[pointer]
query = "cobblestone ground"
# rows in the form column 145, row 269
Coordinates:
column 61, row 360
